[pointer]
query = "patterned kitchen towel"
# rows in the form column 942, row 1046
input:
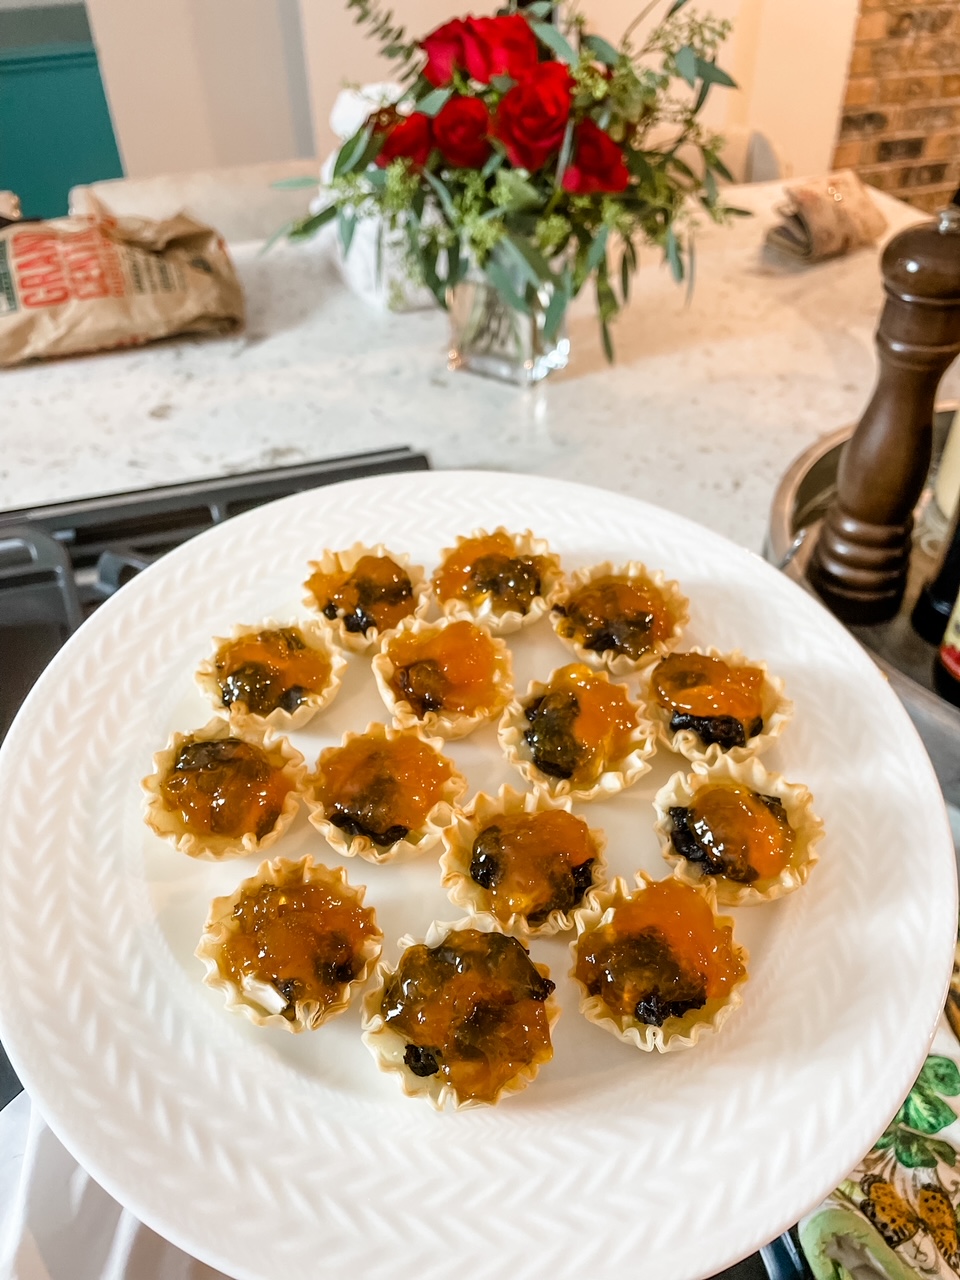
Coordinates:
column 896, row 1216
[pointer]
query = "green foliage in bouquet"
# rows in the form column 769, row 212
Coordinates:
column 537, row 151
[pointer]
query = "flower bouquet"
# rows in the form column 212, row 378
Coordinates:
column 527, row 157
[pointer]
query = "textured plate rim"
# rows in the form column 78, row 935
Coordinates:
column 71, row 1129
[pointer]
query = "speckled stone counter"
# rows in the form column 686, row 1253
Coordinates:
column 707, row 405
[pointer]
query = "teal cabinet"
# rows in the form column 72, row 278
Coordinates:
column 55, row 128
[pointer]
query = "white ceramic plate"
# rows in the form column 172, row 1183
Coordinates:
column 272, row 1155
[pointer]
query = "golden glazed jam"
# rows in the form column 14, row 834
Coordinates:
column 489, row 566
column 618, row 614
column 580, row 726
column 304, row 939
column 471, row 1011
column 375, row 595
column 721, row 703
column 660, row 956
column 270, row 670
column 451, row 669
column 532, row 864
column 226, row 787
column 733, row 831
column 379, row 789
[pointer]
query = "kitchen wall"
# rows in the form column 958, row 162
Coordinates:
column 900, row 127
column 198, row 84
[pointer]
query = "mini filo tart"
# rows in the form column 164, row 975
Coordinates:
column 490, row 699
column 483, row 812
column 315, row 639
column 674, row 611
column 395, row 1055
column 482, row 606
column 678, row 1030
column 616, row 773
column 352, row 637
column 805, row 827
column 449, row 786
column 287, row 767
column 776, row 711
column 345, row 932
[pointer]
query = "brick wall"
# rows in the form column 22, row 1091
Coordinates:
column 900, row 127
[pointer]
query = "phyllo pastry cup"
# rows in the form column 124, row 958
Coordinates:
column 444, row 677
column 750, row 832
column 656, row 967
column 272, row 676
column 289, row 944
column 577, row 735
column 363, row 592
column 524, row 858
column 384, row 794
column 219, row 793
column 505, row 580
column 720, row 704
column 623, row 617
column 464, row 1018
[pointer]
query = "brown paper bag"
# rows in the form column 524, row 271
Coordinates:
column 73, row 285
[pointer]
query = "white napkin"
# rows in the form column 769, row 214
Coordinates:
column 56, row 1223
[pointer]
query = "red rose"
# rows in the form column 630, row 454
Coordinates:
column 406, row 138
column 507, row 44
column 445, row 52
column 532, row 117
column 460, row 131
column 480, row 48
column 597, row 164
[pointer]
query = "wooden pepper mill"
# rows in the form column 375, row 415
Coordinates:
column 859, row 564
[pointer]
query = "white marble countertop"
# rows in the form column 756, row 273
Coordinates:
column 706, row 407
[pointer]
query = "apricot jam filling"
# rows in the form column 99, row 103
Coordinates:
column 305, row 940
column 226, row 787
column 490, row 566
column 661, row 955
column 381, row 789
column 452, row 669
column 628, row 616
column 532, row 864
column 580, row 725
column 720, row 703
column 472, row 1011
column 376, row 594
column 732, row 831
column 270, row 670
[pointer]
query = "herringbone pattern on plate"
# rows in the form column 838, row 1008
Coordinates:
column 270, row 1155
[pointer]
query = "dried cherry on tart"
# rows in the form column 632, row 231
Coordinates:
column 379, row 788
column 225, row 786
column 659, row 954
column 489, row 567
column 733, row 831
column 472, row 1011
column 719, row 702
column 376, row 594
column 290, row 942
column 533, row 864
column 579, row 726
column 622, row 614
column 452, row 667
column 270, row 670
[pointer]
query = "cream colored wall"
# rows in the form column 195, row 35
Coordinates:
column 197, row 84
